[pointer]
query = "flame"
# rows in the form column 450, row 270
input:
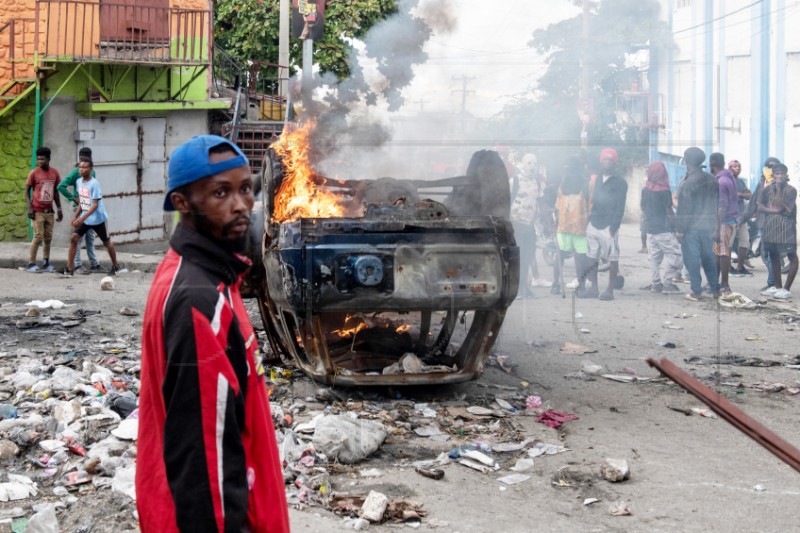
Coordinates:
column 300, row 194
column 402, row 328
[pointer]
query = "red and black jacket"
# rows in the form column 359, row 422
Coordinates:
column 207, row 454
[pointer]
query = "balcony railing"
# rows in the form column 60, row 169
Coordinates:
column 17, row 46
column 123, row 31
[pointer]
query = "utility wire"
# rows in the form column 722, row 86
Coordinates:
column 720, row 17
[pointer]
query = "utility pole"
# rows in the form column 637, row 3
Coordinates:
column 583, row 103
column 421, row 103
column 464, row 92
column 283, row 48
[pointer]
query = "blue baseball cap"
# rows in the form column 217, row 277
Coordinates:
column 190, row 162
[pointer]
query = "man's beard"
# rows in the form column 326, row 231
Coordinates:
column 235, row 245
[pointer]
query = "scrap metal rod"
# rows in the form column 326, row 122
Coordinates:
column 735, row 416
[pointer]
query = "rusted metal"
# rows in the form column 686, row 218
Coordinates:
column 134, row 31
column 732, row 414
column 350, row 298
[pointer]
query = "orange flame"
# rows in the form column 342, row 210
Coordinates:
column 300, row 194
column 402, row 328
column 350, row 331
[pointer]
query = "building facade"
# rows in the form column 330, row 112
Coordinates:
column 725, row 84
column 128, row 78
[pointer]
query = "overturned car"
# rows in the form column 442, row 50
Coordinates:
column 384, row 281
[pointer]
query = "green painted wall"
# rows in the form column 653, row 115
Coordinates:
column 16, row 136
column 126, row 84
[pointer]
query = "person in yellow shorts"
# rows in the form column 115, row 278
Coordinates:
column 572, row 217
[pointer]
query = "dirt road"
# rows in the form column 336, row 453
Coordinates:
column 687, row 473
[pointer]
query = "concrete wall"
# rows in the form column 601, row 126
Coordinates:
column 16, row 135
column 60, row 124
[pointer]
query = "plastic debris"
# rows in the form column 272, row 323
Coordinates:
column 544, row 448
column 107, row 283
column 533, row 402
column 522, row 465
column 513, row 479
column 619, row 509
column 347, row 439
column 44, row 521
column 555, row 419
column 590, row 501
column 571, row 348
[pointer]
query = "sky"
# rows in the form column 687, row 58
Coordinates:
column 489, row 46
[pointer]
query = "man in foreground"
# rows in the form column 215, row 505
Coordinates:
column 207, row 455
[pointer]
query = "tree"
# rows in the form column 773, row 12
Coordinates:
column 248, row 30
column 616, row 29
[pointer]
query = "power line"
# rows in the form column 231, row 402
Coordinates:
column 718, row 18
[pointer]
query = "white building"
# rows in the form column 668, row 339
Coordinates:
column 726, row 86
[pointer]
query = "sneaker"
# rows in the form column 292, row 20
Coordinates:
column 670, row 288
column 34, row 268
column 646, row 287
column 572, row 284
column 782, row 294
column 740, row 272
column 96, row 269
column 656, row 287
column 67, row 272
column 770, row 291
column 48, row 268
column 535, row 283
column 695, row 297
column 114, row 270
column 555, row 288
column 749, row 265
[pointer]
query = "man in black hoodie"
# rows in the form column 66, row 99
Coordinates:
column 696, row 225
column 607, row 193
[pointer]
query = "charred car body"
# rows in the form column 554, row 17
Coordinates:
column 392, row 286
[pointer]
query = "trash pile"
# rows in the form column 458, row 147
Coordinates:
column 69, row 423
column 323, row 439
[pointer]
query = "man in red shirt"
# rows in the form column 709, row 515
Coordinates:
column 40, row 194
column 207, row 455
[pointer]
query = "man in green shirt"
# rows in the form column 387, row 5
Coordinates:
column 69, row 190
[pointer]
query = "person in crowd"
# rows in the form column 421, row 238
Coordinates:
column 752, row 209
column 68, row 188
column 727, row 214
column 40, row 195
column 207, row 456
column 607, row 194
column 527, row 190
column 743, row 194
column 91, row 216
column 696, row 222
column 659, row 223
column 572, row 217
column 778, row 205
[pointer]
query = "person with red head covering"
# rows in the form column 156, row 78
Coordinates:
column 659, row 224
column 607, row 195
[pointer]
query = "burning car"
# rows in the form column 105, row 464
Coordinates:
column 384, row 281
